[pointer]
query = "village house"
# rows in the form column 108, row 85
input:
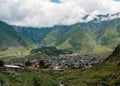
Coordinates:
column 34, row 63
column 14, row 68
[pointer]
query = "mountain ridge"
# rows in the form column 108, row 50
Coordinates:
column 87, row 37
column 10, row 38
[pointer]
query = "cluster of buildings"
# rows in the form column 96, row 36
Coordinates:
column 72, row 62
column 61, row 62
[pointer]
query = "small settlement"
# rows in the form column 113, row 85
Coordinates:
column 58, row 63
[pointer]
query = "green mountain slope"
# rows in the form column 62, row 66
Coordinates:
column 86, row 37
column 34, row 34
column 103, row 74
column 10, row 38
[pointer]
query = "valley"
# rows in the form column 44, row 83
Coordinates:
column 81, row 54
column 100, row 36
column 105, row 72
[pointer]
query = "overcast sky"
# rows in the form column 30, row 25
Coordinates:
column 45, row 13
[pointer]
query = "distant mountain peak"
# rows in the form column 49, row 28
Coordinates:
column 101, row 17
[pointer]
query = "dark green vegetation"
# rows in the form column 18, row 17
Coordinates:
column 104, row 74
column 1, row 63
column 42, row 52
column 10, row 38
column 96, row 37
column 50, row 51
column 29, row 77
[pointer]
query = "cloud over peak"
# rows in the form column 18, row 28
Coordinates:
column 45, row 13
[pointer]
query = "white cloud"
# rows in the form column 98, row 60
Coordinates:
column 44, row 13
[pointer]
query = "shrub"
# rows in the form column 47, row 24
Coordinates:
column 1, row 63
